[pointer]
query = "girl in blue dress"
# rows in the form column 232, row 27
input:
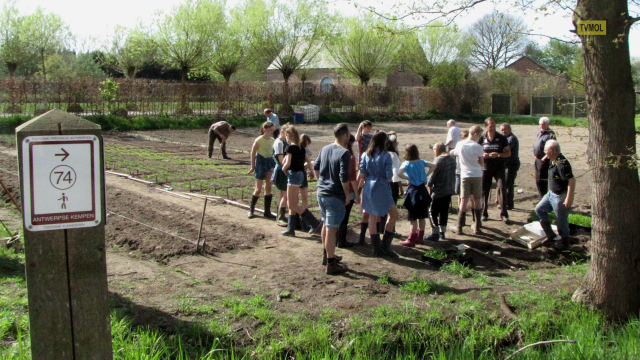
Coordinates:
column 377, row 169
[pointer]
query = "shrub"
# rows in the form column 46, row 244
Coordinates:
column 132, row 107
column 184, row 110
column 74, row 108
column 238, row 108
column 120, row 112
column 13, row 109
column 392, row 109
column 335, row 105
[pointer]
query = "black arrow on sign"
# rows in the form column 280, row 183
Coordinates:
column 65, row 154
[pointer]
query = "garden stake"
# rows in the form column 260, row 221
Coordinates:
column 5, row 227
column 189, row 185
column 156, row 178
column 242, row 196
column 10, row 196
column 227, row 192
column 204, row 209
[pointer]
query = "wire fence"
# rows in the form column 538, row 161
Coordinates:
column 142, row 97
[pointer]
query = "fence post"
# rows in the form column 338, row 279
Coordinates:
column 62, row 182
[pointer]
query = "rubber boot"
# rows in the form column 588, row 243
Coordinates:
column 548, row 230
column 376, row 243
column 315, row 225
column 420, row 237
column 342, row 238
column 363, row 233
column 293, row 219
column 562, row 244
column 410, row 242
column 301, row 225
column 443, row 230
column 254, row 201
column 478, row 224
column 382, row 224
column 267, row 207
column 387, row 238
column 461, row 219
column 435, row 236
column 282, row 217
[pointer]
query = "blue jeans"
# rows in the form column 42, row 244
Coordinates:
column 263, row 166
column 295, row 178
column 332, row 210
column 554, row 202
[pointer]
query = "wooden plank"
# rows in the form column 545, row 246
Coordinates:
column 66, row 270
column 89, row 291
column 47, row 280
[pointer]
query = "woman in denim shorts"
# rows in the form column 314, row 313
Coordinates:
column 294, row 164
column 262, row 165
column 305, row 141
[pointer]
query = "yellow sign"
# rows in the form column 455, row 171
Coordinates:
column 592, row 27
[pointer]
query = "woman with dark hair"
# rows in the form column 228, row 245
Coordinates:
column 294, row 164
column 314, row 227
column 354, row 197
column 377, row 169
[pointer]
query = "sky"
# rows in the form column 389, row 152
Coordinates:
column 97, row 19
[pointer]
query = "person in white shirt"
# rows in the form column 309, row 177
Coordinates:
column 471, row 157
column 453, row 136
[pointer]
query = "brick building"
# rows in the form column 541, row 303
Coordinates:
column 527, row 66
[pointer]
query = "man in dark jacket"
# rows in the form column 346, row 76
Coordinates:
column 512, row 164
column 542, row 166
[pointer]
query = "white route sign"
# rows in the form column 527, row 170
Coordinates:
column 61, row 182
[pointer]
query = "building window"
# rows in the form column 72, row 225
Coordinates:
column 326, row 85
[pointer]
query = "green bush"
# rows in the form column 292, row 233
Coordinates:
column 576, row 219
column 238, row 108
column 335, row 105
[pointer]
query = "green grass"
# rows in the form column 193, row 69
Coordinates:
column 437, row 253
column 451, row 326
column 458, row 269
column 577, row 219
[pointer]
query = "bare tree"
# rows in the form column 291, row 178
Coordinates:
column 497, row 40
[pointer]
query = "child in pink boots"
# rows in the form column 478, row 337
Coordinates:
column 417, row 199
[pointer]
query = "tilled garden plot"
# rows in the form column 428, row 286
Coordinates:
column 157, row 230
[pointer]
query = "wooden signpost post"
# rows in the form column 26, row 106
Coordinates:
column 63, row 200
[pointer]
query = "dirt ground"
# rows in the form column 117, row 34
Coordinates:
column 151, row 235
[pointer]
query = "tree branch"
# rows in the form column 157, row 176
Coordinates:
column 572, row 42
column 541, row 343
